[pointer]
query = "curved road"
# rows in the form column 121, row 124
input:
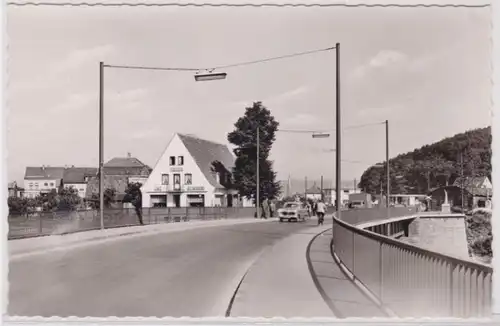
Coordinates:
column 189, row 273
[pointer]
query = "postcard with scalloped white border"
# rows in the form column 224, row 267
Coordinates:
column 285, row 161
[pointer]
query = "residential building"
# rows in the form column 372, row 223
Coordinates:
column 78, row 178
column 476, row 192
column 15, row 190
column 313, row 193
column 40, row 180
column 330, row 195
column 118, row 173
column 185, row 175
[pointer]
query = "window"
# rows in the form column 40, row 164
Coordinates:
column 52, row 184
column 172, row 160
column 36, row 185
column 188, row 179
column 164, row 179
column 45, row 184
column 30, row 185
column 180, row 160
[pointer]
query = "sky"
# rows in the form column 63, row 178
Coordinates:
column 426, row 70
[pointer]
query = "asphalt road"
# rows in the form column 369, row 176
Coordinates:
column 190, row 273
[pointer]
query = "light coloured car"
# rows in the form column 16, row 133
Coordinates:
column 293, row 212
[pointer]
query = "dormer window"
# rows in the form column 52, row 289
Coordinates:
column 172, row 160
column 180, row 160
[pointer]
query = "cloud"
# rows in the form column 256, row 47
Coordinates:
column 120, row 101
column 384, row 58
column 288, row 95
column 301, row 119
column 79, row 57
column 375, row 112
column 59, row 71
column 145, row 134
column 74, row 102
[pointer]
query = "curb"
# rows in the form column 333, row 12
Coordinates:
column 320, row 289
column 362, row 287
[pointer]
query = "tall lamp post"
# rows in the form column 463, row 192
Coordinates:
column 387, row 171
column 338, row 147
column 210, row 75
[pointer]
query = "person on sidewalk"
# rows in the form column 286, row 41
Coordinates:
column 320, row 211
column 265, row 208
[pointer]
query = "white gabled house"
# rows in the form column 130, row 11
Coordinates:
column 184, row 177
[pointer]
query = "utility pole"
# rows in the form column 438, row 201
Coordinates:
column 322, row 197
column 462, row 178
column 101, row 142
column 258, row 172
column 305, row 188
column 388, row 202
column 338, row 132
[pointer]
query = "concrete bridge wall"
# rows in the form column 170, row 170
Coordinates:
column 446, row 235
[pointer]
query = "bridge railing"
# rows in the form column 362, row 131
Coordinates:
column 409, row 280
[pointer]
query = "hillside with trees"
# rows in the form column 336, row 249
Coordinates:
column 467, row 154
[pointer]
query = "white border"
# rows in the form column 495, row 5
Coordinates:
column 495, row 9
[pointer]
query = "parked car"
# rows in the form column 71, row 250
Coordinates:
column 293, row 211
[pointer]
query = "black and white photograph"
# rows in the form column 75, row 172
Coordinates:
column 323, row 159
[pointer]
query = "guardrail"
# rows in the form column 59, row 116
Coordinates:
column 411, row 281
column 60, row 222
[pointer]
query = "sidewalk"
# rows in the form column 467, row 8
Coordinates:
column 38, row 245
column 279, row 284
column 344, row 296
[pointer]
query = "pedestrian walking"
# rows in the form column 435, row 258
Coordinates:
column 320, row 211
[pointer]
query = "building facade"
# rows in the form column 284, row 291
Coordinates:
column 190, row 173
column 42, row 180
column 119, row 172
column 78, row 178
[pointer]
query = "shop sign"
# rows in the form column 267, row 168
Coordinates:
column 194, row 188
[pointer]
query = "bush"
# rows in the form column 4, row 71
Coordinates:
column 479, row 233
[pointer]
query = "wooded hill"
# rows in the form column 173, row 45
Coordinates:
column 467, row 154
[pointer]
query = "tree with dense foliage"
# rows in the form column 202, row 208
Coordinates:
column 19, row 206
column 133, row 195
column 109, row 198
column 467, row 154
column 68, row 199
column 244, row 136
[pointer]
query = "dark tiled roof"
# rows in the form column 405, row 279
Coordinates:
column 205, row 152
column 474, row 182
column 124, row 162
column 44, row 173
column 314, row 190
column 117, row 182
column 78, row 174
column 130, row 171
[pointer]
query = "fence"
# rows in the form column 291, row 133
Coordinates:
column 411, row 281
column 49, row 223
